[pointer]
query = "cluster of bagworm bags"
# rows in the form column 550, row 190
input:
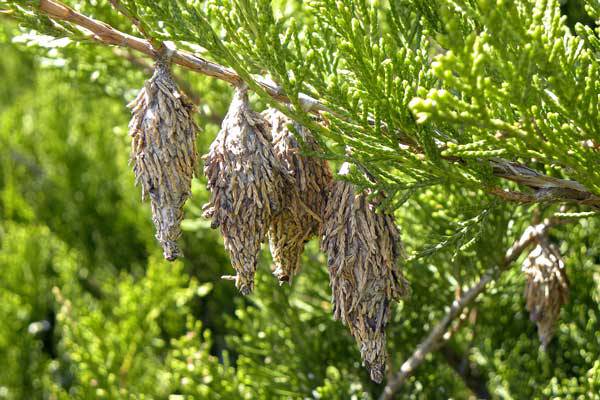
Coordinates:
column 296, row 197
column 546, row 290
column 263, row 187
column 163, row 152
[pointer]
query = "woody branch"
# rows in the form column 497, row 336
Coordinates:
column 440, row 333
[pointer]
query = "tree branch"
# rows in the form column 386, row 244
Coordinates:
column 440, row 334
column 545, row 188
column 106, row 34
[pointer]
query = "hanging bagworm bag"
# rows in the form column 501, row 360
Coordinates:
column 363, row 250
column 311, row 179
column 246, row 184
column 163, row 151
column 546, row 290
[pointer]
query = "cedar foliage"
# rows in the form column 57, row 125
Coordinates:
column 426, row 99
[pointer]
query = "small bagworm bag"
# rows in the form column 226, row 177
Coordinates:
column 247, row 185
column 310, row 179
column 163, row 151
column 363, row 250
column 546, row 290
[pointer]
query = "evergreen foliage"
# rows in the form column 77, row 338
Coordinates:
column 452, row 111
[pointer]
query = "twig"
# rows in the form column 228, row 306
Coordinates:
column 440, row 333
column 545, row 188
column 512, row 196
column 106, row 34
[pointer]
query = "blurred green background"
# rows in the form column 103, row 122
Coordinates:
column 88, row 308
